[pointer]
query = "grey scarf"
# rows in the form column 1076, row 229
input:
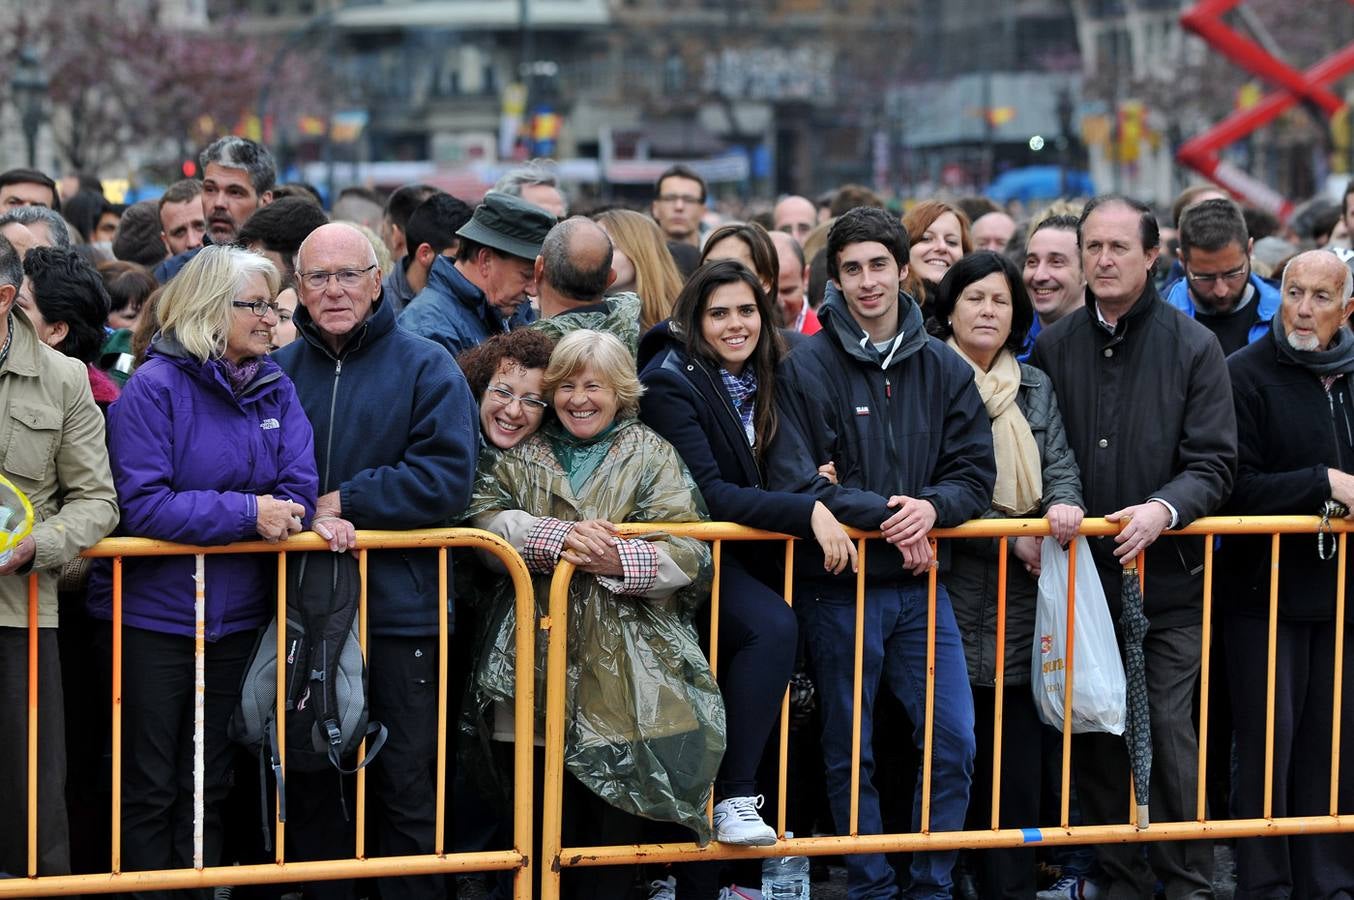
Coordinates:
column 1336, row 359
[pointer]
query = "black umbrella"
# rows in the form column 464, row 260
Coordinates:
column 1138, row 735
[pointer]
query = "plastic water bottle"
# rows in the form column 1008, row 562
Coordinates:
column 5, row 515
column 785, row 877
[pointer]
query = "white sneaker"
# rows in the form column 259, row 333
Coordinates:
column 737, row 822
column 1070, row 887
column 666, row 889
column 734, row 892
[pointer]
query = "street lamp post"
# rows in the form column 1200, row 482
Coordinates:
column 29, row 84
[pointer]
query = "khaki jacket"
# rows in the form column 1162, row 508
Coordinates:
column 52, row 448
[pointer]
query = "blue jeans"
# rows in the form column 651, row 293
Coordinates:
column 894, row 650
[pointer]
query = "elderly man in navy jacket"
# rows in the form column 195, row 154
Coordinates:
column 1295, row 426
column 396, row 439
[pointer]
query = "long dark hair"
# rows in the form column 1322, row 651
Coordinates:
column 975, row 267
column 686, row 324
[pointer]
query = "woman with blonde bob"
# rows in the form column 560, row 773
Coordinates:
column 208, row 445
column 642, row 264
column 644, row 728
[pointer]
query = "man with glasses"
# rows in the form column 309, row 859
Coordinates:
column 396, row 438
column 1219, row 289
column 484, row 290
column 679, row 205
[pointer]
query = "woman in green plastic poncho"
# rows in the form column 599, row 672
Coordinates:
column 644, row 722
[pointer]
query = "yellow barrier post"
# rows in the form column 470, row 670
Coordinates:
column 556, row 623
column 928, row 734
column 440, row 801
column 33, row 724
column 856, row 686
column 280, row 719
column 1205, row 662
column 1000, row 685
column 781, row 803
column 115, row 854
column 1339, row 677
column 1270, row 656
column 1069, row 648
column 360, row 801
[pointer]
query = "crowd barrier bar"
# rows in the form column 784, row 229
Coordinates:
column 439, row 862
column 555, row 858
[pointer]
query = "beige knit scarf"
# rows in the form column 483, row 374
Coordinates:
column 1020, row 481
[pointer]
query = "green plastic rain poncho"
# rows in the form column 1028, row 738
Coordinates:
column 644, row 720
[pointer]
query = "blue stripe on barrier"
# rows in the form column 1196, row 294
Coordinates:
column 1032, row 835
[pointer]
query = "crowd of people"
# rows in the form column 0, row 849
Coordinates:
column 233, row 362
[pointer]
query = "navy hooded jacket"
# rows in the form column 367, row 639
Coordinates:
column 685, row 401
column 907, row 422
column 396, row 434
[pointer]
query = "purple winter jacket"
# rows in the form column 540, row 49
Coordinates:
column 189, row 460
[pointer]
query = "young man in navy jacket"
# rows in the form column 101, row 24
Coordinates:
column 899, row 415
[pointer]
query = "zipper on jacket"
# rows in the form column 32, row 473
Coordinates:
column 1334, row 429
column 329, row 439
column 888, row 418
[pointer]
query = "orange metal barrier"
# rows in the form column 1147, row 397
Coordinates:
column 555, row 857
column 439, row 862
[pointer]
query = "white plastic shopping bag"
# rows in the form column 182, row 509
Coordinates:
column 1098, row 690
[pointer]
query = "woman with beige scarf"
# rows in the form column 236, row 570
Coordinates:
column 983, row 313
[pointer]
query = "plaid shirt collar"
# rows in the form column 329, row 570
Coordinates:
column 742, row 392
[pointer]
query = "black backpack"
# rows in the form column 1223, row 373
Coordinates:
column 326, row 699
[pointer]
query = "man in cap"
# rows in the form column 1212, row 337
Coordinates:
column 477, row 295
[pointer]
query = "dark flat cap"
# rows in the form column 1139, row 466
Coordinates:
column 138, row 236
column 508, row 224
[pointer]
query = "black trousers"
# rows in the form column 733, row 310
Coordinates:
column 53, row 833
column 157, row 744
column 758, row 635
column 1312, row 867
column 1008, row 873
column 401, row 781
column 1101, row 768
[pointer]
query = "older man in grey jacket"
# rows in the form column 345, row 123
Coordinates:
column 53, row 440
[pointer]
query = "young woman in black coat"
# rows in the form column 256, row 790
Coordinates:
column 709, row 377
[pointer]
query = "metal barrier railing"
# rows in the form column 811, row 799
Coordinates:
column 280, row 870
column 555, row 857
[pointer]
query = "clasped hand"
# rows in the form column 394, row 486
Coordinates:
column 907, row 530
column 591, row 546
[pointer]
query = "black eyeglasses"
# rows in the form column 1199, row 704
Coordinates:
column 1231, row 277
column 348, row 278
column 260, row 308
column 504, row 397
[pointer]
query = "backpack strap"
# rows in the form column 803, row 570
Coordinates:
column 376, row 732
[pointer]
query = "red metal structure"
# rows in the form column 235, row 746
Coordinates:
column 1291, row 86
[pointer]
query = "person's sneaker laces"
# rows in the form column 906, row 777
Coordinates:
column 664, row 889
column 1070, row 887
column 734, row 892
column 737, row 822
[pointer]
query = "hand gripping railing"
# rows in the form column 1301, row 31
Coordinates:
column 555, row 858
column 280, row 870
